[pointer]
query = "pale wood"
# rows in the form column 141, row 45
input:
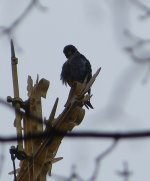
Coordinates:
column 41, row 152
column 17, row 122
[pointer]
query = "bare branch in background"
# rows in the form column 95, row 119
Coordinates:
column 2, row 157
column 139, row 51
column 125, row 82
column 121, row 19
column 120, row 93
column 99, row 159
column 126, row 173
column 123, row 86
column 136, row 49
column 10, row 30
column 95, row 173
column 82, row 134
column 128, row 135
column 144, row 8
column 40, row 6
column 72, row 176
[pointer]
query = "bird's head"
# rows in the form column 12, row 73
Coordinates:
column 69, row 50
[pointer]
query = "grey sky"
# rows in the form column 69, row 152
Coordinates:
column 120, row 99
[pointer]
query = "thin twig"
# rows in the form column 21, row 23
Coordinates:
column 90, row 134
column 9, row 31
column 73, row 176
column 81, row 134
column 143, row 7
column 100, row 158
column 133, row 49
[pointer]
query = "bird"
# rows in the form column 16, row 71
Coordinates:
column 76, row 68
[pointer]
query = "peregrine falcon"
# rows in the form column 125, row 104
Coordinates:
column 76, row 68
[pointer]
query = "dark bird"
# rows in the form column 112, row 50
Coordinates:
column 76, row 68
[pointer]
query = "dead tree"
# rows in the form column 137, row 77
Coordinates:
column 37, row 155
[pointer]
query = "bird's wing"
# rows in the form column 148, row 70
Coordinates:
column 87, row 67
column 65, row 73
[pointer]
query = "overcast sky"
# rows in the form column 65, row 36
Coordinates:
column 100, row 31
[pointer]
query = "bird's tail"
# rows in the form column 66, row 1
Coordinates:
column 88, row 105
